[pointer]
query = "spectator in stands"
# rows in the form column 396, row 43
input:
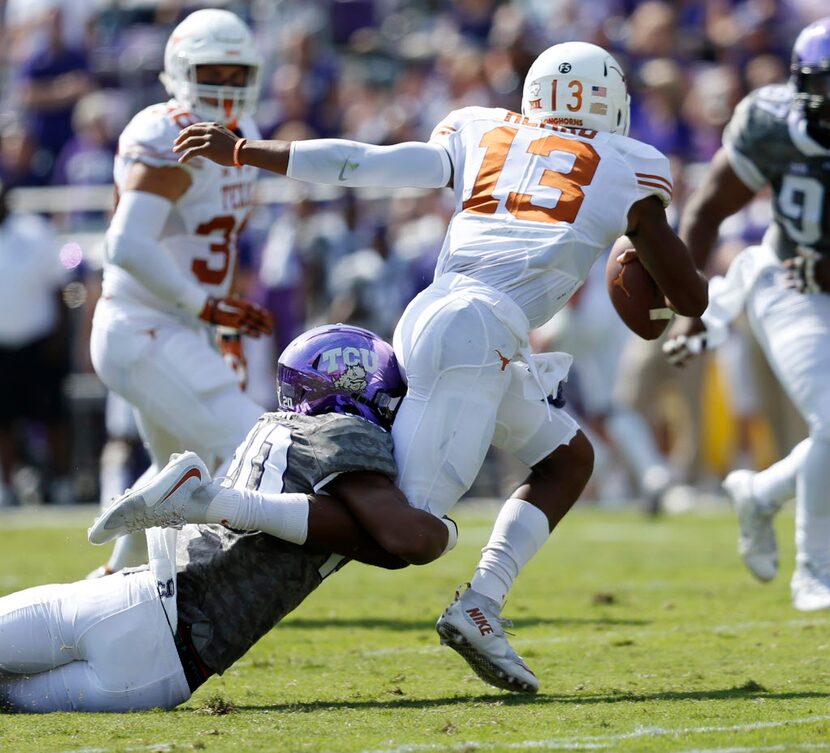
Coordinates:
column 21, row 164
column 52, row 80
column 34, row 348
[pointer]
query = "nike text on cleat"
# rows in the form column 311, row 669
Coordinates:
column 472, row 626
column 810, row 587
column 162, row 501
column 756, row 540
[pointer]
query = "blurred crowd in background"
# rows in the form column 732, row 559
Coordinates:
column 74, row 71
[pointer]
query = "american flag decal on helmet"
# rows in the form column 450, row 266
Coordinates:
column 599, row 91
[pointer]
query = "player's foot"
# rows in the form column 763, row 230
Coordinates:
column 810, row 587
column 162, row 501
column 472, row 626
column 756, row 541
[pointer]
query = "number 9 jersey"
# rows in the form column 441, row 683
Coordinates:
column 204, row 224
column 538, row 201
column 767, row 141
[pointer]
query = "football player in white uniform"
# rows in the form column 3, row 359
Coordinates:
column 779, row 136
column 149, row 637
column 171, row 257
column 539, row 196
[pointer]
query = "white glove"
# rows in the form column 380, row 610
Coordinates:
column 680, row 349
column 803, row 270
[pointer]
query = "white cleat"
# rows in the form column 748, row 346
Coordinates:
column 756, row 540
column 471, row 625
column 162, row 501
column 810, row 587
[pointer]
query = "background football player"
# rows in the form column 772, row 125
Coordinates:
column 780, row 136
column 171, row 254
column 62, row 647
column 539, row 196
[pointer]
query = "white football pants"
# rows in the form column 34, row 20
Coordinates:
column 793, row 330
column 456, row 341
column 185, row 396
column 95, row 645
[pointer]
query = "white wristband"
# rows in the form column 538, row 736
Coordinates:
column 452, row 534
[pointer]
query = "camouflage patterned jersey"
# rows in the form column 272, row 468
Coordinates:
column 234, row 587
column 767, row 142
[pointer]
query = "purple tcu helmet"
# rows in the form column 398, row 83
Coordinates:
column 810, row 71
column 338, row 368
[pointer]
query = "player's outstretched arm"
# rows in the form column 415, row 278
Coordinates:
column 337, row 162
column 666, row 257
column 721, row 194
column 383, row 511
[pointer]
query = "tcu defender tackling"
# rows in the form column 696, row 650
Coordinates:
column 780, row 136
column 149, row 637
column 539, row 196
column 171, row 257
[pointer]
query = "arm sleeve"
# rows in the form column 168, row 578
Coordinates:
column 740, row 139
column 349, row 163
column 133, row 243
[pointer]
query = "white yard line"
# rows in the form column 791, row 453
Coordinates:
column 595, row 742
column 786, row 747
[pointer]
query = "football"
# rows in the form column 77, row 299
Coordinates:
column 635, row 295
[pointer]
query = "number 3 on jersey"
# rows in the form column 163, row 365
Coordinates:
column 498, row 142
column 224, row 227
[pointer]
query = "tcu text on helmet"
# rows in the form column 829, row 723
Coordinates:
column 336, row 359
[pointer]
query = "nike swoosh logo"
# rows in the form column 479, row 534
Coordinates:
column 192, row 473
column 346, row 166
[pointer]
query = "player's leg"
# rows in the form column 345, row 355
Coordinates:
column 102, row 645
column 794, row 332
column 641, row 375
column 757, row 498
column 455, row 351
column 561, row 460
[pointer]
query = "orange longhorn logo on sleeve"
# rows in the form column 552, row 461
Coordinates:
column 504, row 361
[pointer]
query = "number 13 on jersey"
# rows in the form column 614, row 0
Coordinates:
column 504, row 177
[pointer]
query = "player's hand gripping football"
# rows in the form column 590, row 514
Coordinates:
column 230, row 345
column 210, row 140
column 687, row 340
column 235, row 313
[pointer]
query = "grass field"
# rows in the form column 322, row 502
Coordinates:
column 646, row 635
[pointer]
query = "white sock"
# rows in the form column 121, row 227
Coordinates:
column 812, row 506
column 634, row 440
column 282, row 515
column 519, row 532
column 129, row 551
column 775, row 485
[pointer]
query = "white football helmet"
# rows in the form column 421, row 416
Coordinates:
column 577, row 84
column 212, row 37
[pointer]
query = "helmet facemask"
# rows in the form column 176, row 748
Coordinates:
column 225, row 103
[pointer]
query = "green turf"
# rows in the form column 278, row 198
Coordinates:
column 646, row 635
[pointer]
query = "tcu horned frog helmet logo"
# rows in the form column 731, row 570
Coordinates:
column 353, row 379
